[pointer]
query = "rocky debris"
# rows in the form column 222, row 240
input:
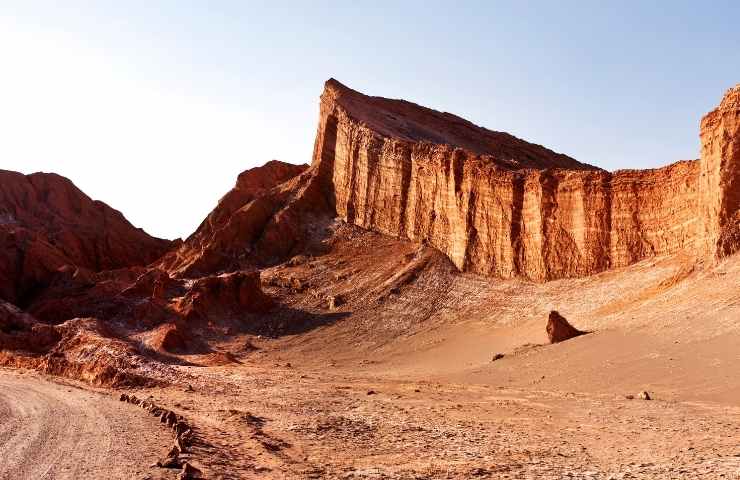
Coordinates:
column 183, row 435
column 226, row 294
column 558, row 329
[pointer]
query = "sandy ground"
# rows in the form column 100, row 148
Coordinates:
column 399, row 382
column 51, row 430
column 267, row 421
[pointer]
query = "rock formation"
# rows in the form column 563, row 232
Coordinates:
column 46, row 222
column 497, row 205
column 720, row 177
column 99, row 294
column 494, row 204
column 226, row 239
column 559, row 330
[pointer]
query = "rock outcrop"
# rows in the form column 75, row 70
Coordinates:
column 46, row 223
column 497, row 205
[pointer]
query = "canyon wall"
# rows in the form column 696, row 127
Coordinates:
column 497, row 205
column 720, row 177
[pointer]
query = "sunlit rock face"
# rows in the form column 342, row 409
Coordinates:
column 720, row 177
column 497, row 205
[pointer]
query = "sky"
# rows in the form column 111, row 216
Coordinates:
column 155, row 107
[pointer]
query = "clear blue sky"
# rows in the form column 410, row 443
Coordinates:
column 156, row 106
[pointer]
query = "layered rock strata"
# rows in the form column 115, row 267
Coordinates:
column 497, row 205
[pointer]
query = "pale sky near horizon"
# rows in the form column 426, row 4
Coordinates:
column 155, row 106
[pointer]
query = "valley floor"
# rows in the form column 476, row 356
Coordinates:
column 277, row 421
column 395, row 377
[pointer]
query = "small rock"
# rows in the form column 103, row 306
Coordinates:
column 645, row 395
column 189, row 472
column 180, row 427
column 164, row 415
column 558, row 329
column 172, row 460
column 334, row 301
column 371, row 392
column 498, row 356
column 124, row 397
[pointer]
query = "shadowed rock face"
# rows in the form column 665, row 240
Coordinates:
column 46, row 222
column 497, row 205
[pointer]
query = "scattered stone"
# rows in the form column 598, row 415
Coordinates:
column 172, row 460
column 645, row 395
column 189, row 472
column 180, row 427
column 498, row 356
column 559, row 330
column 371, row 392
column 334, row 301
column 629, row 397
column 189, row 388
column 123, row 398
column 180, row 444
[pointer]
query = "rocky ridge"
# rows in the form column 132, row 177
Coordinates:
column 47, row 223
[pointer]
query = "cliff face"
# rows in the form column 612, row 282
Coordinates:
column 46, row 222
column 494, row 204
column 500, row 206
column 720, row 177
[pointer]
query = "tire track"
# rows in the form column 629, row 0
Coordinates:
column 51, row 431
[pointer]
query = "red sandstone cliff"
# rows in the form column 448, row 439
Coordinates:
column 500, row 206
column 494, row 204
column 720, row 177
column 46, row 222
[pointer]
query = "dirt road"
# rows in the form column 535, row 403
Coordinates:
column 55, row 431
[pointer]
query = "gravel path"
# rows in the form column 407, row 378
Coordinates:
column 54, row 431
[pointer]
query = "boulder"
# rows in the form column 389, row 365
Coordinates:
column 559, row 330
